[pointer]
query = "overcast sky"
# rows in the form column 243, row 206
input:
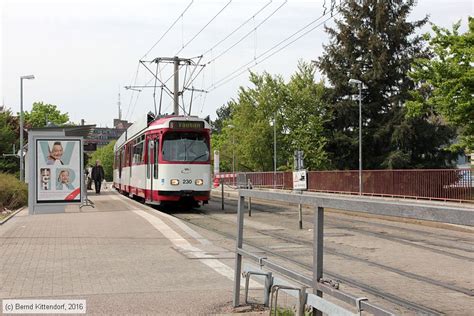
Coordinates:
column 83, row 51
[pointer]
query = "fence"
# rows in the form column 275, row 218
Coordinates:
column 275, row 180
column 430, row 212
column 435, row 184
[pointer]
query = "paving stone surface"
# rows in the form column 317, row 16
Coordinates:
column 112, row 257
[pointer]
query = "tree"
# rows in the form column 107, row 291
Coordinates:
column 446, row 80
column 304, row 115
column 9, row 136
column 224, row 113
column 294, row 109
column 42, row 113
column 106, row 156
column 374, row 42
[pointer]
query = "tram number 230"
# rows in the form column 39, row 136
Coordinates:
column 187, row 181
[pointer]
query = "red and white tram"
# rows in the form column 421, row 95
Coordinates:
column 165, row 160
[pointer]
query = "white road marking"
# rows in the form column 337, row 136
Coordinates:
column 180, row 242
column 176, row 221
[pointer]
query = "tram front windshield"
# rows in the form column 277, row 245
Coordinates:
column 185, row 146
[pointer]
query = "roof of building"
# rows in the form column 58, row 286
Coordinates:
column 78, row 131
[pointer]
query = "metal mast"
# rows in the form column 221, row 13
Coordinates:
column 187, row 81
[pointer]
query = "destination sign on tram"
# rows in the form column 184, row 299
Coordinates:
column 186, row 124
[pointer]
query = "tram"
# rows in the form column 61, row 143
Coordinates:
column 165, row 160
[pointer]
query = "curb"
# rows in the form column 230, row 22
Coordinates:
column 3, row 221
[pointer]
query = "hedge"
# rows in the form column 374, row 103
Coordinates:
column 13, row 193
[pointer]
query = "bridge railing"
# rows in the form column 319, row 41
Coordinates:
column 275, row 180
column 437, row 212
column 435, row 184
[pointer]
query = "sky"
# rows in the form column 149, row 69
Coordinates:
column 84, row 52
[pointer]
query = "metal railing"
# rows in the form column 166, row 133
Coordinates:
column 430, row 212
column 271, row 179
column 436, row 184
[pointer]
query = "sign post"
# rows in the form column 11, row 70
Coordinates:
column 300, row 181
column 216, row 162
column 217, row 172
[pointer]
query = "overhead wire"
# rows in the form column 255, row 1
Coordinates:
column 257, row 59
column 203, row 28
column 239, row 41
column 269, row 52
column 196, row 35
column 229, row 77
column 239, row 27
column 146, row 54
column 169, row 28
column 131, row 96
column 191, row 79
column 205, row 93
column 248, row 33
column 134, row 105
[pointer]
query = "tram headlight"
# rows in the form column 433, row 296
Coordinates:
column 199, row 182
column 174, row 182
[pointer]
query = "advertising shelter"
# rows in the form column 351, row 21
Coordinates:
column 55, row 168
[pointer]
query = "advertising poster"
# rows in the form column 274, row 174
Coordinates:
column 58, row 166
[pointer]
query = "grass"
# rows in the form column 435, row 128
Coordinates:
column 13, row 194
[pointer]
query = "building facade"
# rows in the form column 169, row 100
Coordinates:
column 102, row 136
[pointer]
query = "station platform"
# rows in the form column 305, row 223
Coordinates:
column 122, row 257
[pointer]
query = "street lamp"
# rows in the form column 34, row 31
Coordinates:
column 233, row 152
column 22, row 167
column 359, row 83
column 274, row 151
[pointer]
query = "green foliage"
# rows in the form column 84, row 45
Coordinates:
column 246, row 124
column 13, row 193
column 304, row 115
column 106, row 156
column 42, row 113
column 9, row 136
column 223, row 114
column 446, row 80
column 374, row 42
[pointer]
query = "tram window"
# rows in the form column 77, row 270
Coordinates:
column 185, row 147
column 138, row 152
column 124, row 157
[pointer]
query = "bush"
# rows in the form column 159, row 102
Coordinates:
column 106, row 156
column 13, row 193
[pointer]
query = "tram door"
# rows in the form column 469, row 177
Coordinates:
column 152, row 165
column 149, row 168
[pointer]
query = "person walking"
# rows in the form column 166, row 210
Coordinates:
column 97, row 175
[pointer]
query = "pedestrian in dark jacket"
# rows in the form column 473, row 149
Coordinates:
column 97, row 175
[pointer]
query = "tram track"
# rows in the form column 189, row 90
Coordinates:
column 333, row 251
column 469, row 243
column 410, row 242
column 413, row 306
column 414, row 242
column 410, row 275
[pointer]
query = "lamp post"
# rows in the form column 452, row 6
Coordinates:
column 22, row 167
column 359, row 83
column 233, row 152
column 274, row 151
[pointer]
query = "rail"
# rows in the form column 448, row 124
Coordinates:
column 416, row 210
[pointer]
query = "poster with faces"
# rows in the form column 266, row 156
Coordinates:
column 58, row 165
